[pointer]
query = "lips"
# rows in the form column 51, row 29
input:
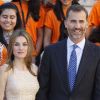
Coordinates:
column 77, row 30
column 7, row 24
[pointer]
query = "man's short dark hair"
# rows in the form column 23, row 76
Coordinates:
column 76, row 8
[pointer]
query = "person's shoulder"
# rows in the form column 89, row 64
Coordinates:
column 94, row 47
column 96, row 4
column 58, row 44
column 4, row 67
column 56, row 47
column 1, row 2
column 50, row 13
column 34, row 68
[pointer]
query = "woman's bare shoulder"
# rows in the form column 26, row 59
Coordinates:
column 3, row 67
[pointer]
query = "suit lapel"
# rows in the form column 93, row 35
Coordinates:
column 63, row 65
column 84, row 63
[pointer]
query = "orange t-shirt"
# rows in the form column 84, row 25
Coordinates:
column 42, row 16
column 3, row 55
column 1, row 2
column 54, row 1
column 97, row 43
column 94, row 16
column 53, row 23
column 44, row 10
column 31, row 25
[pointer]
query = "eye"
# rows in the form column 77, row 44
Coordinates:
column 81, row 21
column 12, row 17
column 4, row 16
column 16, row 44
column 25, row 44
column 73, row 21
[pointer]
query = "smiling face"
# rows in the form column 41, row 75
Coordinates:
column 20, row 47
column 8, row 19
column 76, row 25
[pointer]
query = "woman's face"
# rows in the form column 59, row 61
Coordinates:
column 20, row 47
column 8, row 19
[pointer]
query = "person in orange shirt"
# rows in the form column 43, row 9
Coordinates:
column 9, row 21
column 46, row 5
column 1, row 2
column 3, row 54
column 54, row 21
column 31, row 13
column 94, row 18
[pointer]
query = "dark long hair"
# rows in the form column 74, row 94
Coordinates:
column 58, row 9
column 33, row 8
column 95, row 35
column 18, row 22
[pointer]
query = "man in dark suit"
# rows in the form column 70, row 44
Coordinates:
column 56, row 76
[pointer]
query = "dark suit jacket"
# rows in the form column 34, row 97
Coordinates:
column 53, row 77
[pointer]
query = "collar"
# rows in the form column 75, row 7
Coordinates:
column 81, row 44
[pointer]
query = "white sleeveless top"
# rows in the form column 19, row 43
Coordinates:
column 21, row 85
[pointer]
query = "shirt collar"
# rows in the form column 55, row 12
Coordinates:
column 81, row 44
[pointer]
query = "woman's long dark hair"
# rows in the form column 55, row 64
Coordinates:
column 58, row 9
column 18, row 22
column 95, row 35
column 33, row 8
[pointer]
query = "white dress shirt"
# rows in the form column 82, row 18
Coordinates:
column 79, row 51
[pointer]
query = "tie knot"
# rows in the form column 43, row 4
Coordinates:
column 74, row 46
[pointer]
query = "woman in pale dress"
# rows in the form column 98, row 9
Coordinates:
column 18, row 78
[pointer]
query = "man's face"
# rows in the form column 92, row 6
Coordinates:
column 76, row 25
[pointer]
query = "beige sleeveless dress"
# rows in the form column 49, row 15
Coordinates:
column 21, row 85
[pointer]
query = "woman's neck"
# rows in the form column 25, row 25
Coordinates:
column 20, row 64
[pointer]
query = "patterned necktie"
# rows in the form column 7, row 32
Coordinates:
column 72, row 67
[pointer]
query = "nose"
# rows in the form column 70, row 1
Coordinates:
column 8, row 19
column 77, row 25
column 21, row 47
